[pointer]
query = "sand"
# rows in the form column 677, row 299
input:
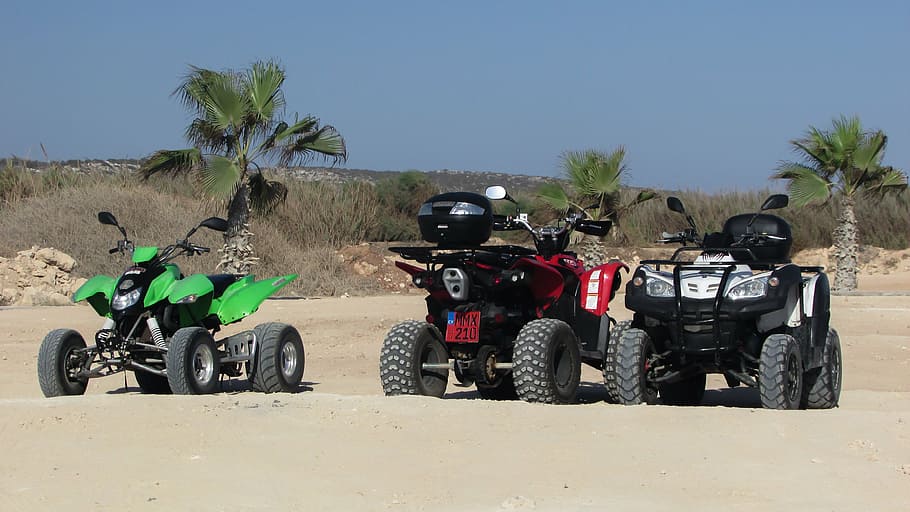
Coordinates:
column 341, row 445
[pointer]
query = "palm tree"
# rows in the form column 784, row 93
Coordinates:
column 595, row 178
column 842, row 163
column 238, row 121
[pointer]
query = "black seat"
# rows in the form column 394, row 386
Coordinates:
column 765, row 250
column 222, row 281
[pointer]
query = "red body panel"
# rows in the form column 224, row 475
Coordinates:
column 546, row 282
column 597, row 286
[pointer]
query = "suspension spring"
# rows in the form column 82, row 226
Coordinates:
column 155, row 330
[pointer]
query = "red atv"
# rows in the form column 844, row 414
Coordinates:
column 517, row 322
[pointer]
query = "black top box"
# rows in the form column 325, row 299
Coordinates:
column 456, row 219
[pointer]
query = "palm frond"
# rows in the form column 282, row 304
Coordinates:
column 266, row 194
column 171, row 161
column 887, row 179
column 204, row 134
column 219, row 177
column 575, row 165
column 806, row 186
column 325, row 142
column 225, row 105
column 192, row 89
column 262, row 85
column 554, row 195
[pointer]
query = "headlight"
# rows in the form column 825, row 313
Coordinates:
column 658, row 288
column 466, row 209
column 751, row 289
column 122, row 301
column 425, row 209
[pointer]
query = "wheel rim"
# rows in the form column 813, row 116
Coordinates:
column 70, row 365
column 288, row 360
column 430, row 356
column 203, row 364
column 793, row 376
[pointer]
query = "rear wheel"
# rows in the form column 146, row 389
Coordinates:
column 408, row 346
column 780, row 373
column 152, row 384
column 546, row 362
column 823, row 385
column 58, row 362
column 279, row 361
column 634, row 354
column 193, row 365
column 609, row 371
column 688, row 391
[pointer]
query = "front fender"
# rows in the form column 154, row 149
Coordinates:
column 196, row 284
column 244, row 297
column 160, row 287
column 97, row 291
column 599, row 285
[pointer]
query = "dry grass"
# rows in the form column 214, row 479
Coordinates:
column 58, row 209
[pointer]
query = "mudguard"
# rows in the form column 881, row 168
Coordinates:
column 161, row 286
column 546, row 282
column 97, row 291
column 244, row 297
column 599, row 285
column 196, row 284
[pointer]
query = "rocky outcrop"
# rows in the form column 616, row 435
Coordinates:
column 38, row 277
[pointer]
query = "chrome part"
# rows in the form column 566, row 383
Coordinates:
column 155, row 331
column 289, row 359
column 148, row 369
column 203, row 364
column 456, row 282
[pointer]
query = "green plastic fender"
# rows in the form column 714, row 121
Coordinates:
column 97, row 291
column 196, row 284
column 244, row 297
column 160, row 287
column 144, row 254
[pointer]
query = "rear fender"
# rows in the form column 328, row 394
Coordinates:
column 97, row 291
column 599, row 285
column 244, row 297
column 546, row 282
column 410, row 269
column 817, row 305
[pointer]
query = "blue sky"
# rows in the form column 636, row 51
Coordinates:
column 702, row 94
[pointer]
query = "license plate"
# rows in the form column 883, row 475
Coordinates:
column 463, row 327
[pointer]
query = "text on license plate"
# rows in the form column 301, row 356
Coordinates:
column 463, row 327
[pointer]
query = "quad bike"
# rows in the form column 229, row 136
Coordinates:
column 161, row 326
column 739, row 308
column 517, row 322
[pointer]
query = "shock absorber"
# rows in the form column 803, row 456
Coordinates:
column 155, row 330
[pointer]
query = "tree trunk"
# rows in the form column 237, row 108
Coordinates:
column 237, row 252
column 845, row 247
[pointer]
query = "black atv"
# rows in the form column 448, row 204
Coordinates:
column 739, row 308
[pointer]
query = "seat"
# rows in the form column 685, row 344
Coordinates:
column 222, row 281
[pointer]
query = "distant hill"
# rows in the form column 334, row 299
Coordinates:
column 445, row 179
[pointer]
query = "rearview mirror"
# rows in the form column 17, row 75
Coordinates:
column 674, row 204
column 775, row 202
column 107, row 218
column 215, row 223
column 496, row 192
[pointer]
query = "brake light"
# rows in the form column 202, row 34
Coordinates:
column 431, row 319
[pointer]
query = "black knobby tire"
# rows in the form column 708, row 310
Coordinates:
column 152, row 384
column 54, row 374
column 193, row 366
column 406, row 348
column 780, row 373
column 823, row 384
column 689, row 391
column 280, row 359
column 634, row 351
column 546, row 362
column 503, row 389
column 609, row 370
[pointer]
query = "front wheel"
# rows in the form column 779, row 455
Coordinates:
column 280, row 359
column 193, row 364
column 408, row 346
column 780, row 373
column 609, row 370
column 546, row 362
column 823, row 385
column 634, row 357
column 59, row 358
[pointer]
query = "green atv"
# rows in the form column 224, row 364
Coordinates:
column 161, row 326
